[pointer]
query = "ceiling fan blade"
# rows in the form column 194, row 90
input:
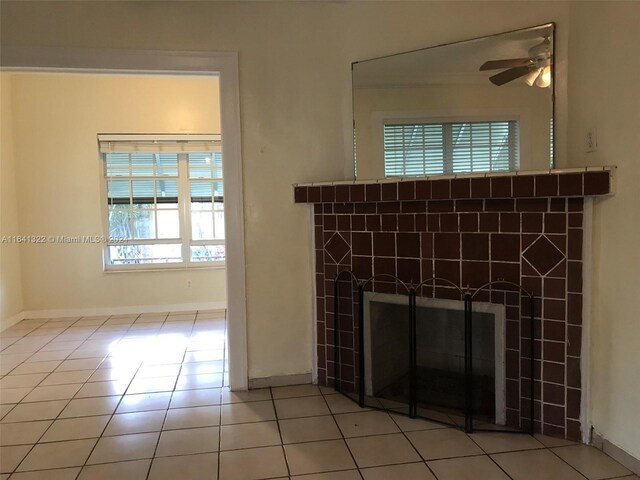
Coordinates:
column 509, row 75
column 507, row 63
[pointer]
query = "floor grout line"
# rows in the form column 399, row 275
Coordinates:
column 284, row 452
column 344, row 440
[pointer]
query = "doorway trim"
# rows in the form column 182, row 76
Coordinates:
column 150, row 62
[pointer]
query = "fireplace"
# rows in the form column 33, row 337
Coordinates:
column 470, row 230
column 440, row 354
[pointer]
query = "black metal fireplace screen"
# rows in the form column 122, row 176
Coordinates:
column 420, row 387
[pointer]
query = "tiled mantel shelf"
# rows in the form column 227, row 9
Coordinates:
column 523, row 184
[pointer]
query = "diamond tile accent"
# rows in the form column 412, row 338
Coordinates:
column 337, row 247
column 543, row 255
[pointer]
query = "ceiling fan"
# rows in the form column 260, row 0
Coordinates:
column 536, row 68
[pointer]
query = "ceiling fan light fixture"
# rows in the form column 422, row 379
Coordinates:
column 532, row 76
column 544, row 79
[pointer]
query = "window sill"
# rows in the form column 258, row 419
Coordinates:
column 162, row 268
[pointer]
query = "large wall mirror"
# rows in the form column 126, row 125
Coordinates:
column 482, row 105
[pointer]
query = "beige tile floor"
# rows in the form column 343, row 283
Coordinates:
column 128, row 397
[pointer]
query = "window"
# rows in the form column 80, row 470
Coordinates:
column 164, row 201
column 423, row 149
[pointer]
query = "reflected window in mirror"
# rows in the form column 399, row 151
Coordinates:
column 425, row 149
column 476, row 106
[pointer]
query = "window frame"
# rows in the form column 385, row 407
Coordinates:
column 184, row 218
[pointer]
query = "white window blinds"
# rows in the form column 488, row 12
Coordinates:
column 447, row 148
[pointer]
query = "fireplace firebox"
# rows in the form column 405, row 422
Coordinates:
column 439, row 359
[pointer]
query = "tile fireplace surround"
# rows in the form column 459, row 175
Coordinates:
column 524, row 228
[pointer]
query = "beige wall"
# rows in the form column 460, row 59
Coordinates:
column 531, row 106
column 296, row 113
column 603, row 86
column 295, row 88
column 56, row 118
column 10, row 273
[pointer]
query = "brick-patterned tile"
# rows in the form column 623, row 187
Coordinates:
column 390, row 191
column 300, row 194
column 389, row 223
column 448, row 269
column 460, row 188
column 342, row 193
column 433, row 222
column 372, row 192
column 489, row 222
column 409, row 270
column 558, row 204
column 574, row 340
column 553, row 393
column 475, row 274
column 499, row 205
column 415, row 206
column 573, row 402
column 574, row 378
column 510, row 222
column 480, row 187
column 508, row 272
column 423, row 190
column 373, row 223
column 574, row 244
column 328, row 193
column 440, row 206
column 313, row 194
column 358, row 223
column 384, row 244
column 596, row 183
column 408, row 245
column 449, row 222
column 555, row 223
column 501, row 187
column 388, row 207
column 362, row 243
column 546, row 185
column 475, row 246
column 362, row 266
column 356, row 193
column 571, row 184
column 447, row 245
column 555, row 288
column 406, row 222
column 468, row 222
column 532, row 204
column 523, row 186
column 440, row 189
column 407, row 190
column 553, row 372
column 505, row 247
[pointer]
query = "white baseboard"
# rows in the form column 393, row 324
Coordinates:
column 280, row 381
column 12, row 320
column 615, row 452
column 84, row 312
